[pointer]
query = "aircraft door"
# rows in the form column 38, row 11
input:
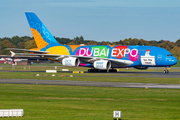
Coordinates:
column 159, row 58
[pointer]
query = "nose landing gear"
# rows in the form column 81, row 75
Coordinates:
column 166, row 70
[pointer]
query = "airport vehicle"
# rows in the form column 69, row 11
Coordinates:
column 98, row 57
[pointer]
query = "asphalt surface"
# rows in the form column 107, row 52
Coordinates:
column 88, row 83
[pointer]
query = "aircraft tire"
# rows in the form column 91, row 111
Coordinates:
column 96, row 70
column 103, row 71
column 112, row 70
column 166, row 71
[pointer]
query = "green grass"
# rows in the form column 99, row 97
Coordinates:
column 52, row 102
column 178, row 64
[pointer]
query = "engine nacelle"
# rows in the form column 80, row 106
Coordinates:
column 71, row 61
column 141, row 67
column 102, row 64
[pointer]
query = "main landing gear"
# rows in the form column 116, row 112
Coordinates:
column 98, row 70
column 113, row 70
column 166, row 70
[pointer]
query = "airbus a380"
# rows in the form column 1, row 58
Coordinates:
column 98, row 57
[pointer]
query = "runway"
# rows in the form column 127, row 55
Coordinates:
column 89, row 83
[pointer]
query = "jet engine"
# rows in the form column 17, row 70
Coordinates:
column 141, row 67
column 102, row 64
column 71, row 61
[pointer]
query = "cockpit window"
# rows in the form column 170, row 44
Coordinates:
column 169, row 55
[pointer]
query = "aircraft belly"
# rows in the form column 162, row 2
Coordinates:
column 118, row 64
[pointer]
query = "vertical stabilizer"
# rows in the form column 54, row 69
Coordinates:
column 42, row 36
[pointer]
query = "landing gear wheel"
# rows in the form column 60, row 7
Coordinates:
column 113, row 70
column 92, row 70
column 166, row 71
column 96, row 70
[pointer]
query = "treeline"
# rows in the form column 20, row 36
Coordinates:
column 27, row 42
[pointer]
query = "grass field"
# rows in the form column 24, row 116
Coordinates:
column 178, row 64
column 53, row 102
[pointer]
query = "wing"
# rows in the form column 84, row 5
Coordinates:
column 58, row 57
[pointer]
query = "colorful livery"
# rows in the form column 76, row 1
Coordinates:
column 99, row 57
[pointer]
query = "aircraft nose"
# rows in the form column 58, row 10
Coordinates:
column 174, row 61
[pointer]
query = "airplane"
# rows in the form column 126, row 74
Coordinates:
column 97, row 57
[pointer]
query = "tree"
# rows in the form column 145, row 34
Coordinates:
column 30, row 44
column 178, row 43
column 125, row 41
column 81, row 40
column 115, row 43
column 167, row 45
column 63, row 41
column 21, row 45
column 130, row 41
column 176, row 52
column 143, row 42
column 92, row 42
column 105, row 43
column 7, row 44
column 120, row 42
column 72, row 43
column 161, row 41
column 133, row 41
column 15, row 40
column 153, row 43
column 1, row 47
column 77, row 40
